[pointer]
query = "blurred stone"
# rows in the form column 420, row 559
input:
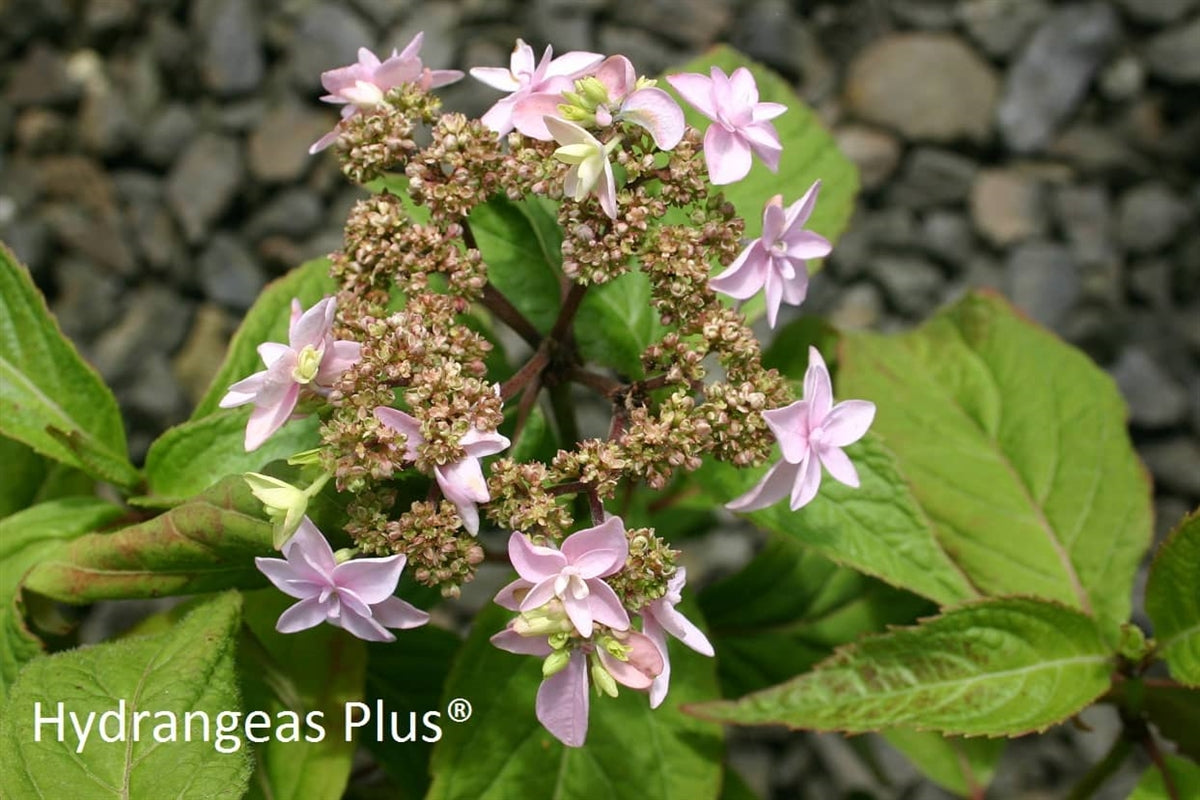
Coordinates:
column 1008, row 206
column 695, row 23
column 770, row 31
column 1123, row 79
column 105, row 125
column 327, row 36
column 155, row 392
column 947, row 236
column 928, row 86
column 293, row 213
column 204, row 350
column 41, row 79
column 232, row 61
column 41, row 130
column 1186, row 279
column 1001, row 26
column 104, row 17
column 1174, row 55
column 859, row 307
column 96, row 236
column 383, row 12
column 648, row 52
column 1084, row 214
column 29, row 239
column 1155, row 399
column 1175, row 465
column 439, row 22
column 1100, row 151
column 911, row 283
column 925, row 14
column 890, row 227
column 933, row 177
column 151, row 226
column 229, row 274
column 168, row 134
column 1150, row 216
column 875, row 153
column 277, row 150
column 1157, row 12
column 1043, row 281
column 88, row 299
column 1150, row 282
column 155, row 321
column 203, row 182
column 1051, row 75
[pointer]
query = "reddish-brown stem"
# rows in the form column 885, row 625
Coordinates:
column 593, row 380
column 530, row 371
column 596, row 507
column 528, row 398
column 573, row 487
column 566, row 314
column 505, row 311
column 1160, row 763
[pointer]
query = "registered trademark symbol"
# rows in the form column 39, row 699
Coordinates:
column 459, row 709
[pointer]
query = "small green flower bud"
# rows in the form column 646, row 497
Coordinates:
column 555, row 662
column 603, row 682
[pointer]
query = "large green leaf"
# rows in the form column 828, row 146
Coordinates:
column 1173, row 600
column 30, row 479
column 196, row 454
column 878, row 528
column 963, row 766
column 50, row 399
column 999, row 667
column 1015, row 446
column 409, row 675
column 616, row 322
column 266, row 321
column 141, row 684
column 521, row 245
column 631, row 752
column 1174, row 711
column 26, row 538
column 1185, row 776
column 789, row 608
column 319, row 669
column 204, row 545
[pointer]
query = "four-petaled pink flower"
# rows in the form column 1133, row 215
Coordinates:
column 572, row 574
column 461, row 481
column 776, row 260
column 660, row 618
column 362, row 86
column 741, row 124
column 522, row 78
column 811, row 432
column 356, row 595
column 311, row 361
column 590, row 168
column 612, row 94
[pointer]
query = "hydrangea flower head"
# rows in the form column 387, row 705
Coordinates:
column 362, row 86
column 776, row 260
column 741, row 125
column 660, row 618
column 355, row 595
column 462, row 481
column 811, row 433
column 310, row 362
column 524, row 78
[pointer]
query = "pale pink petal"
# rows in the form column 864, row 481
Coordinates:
column 245, row 390
column 529, row 114
column 808, row 481
column 308, row 546
column 848, row 422
column 662, row 683
column 522, row 61
column 764, row 141
column 790, row 426
column 397, row 71
column 364, row 627
column 462, row 481
column 743, row 89
column 301, row 616
column 499, row 118
column 324, row 142
column 573, row 64
column 726, row 154
column 507, row 597
column 402, row 423
column 598, row 551
column 339, row 358
column 773, row 487
column 579, row 611
column 806, row 244
column 413, row 47
column 496, row 77
column 697, row 90
column 746, row 276
column 722, row 94
column 539, row 594
column 468, row 512
column 818, row 391
column 297, row 581
column 767, row 111
column 799, row 211
column 773, row 295
column 371, row 579
column 393, row 612
column 658, row 113
column 534, row 562
column 796, row 289
column 618, row 76
column 265, row 420
column 839, row 465
column 774, row 219
column 436, row 78
column 479, row 443
column 513, row 642
column 270, row 352
column 605, row 607
column 313, row 325
column 607, row 191
column 681, row 628
column 642, row 665
column 562, row 702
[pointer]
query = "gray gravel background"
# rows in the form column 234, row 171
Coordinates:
column 154, row 176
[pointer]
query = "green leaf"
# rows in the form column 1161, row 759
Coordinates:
column 616, row 322
column 631, row 752
column 1173, row 603
column 736, row 788
column 1184, row 775
column 962, row 766
column 521, row 245
column 1174, row 711
column 187, row 669
column 878, row 528
column 192, row 456
column 26, row 538
column 266, row 321
column 409, row 675
column 50, row 399
column 204, row 545
column 319, row 669
column 1000, row 667
column 537, row 441
column 789, row 608
column 24, row 472
column 1015, row 446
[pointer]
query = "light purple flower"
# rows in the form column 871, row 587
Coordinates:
column 573, row 575
column 660, row 618
column 741, row 124
column 356, row 595
column 523, row 78
column 461, row 481
column 590, row 168
column 811, row 432
column 776, row 260
column 613, row 94
column 310, row 362
column 362, row 86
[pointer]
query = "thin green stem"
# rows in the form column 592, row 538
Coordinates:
column 1103, row 769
